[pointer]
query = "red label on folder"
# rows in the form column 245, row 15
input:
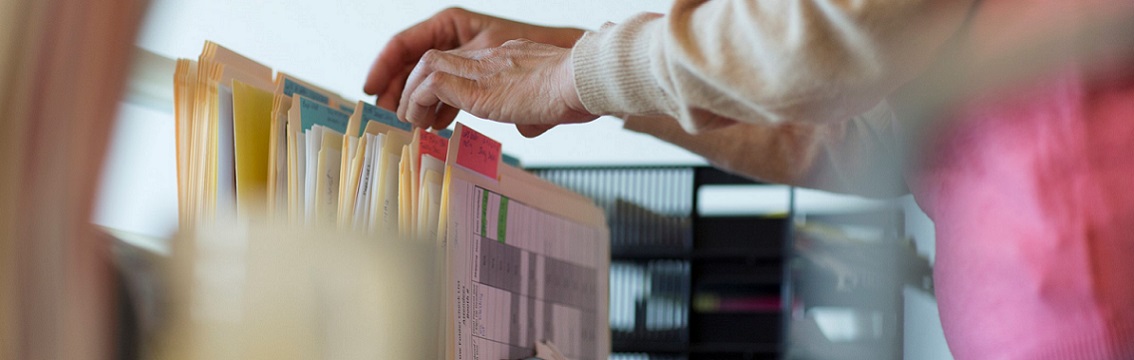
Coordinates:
column 478, row 153
column 433, row 145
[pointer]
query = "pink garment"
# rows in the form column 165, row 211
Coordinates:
column 1033, row 198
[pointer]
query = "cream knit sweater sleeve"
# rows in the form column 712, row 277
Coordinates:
column 709, row 62
column 862, row 156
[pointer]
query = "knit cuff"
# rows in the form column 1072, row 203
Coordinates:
column 612, row 69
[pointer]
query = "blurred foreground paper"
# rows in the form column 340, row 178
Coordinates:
column 63, row 65
column 294, row 293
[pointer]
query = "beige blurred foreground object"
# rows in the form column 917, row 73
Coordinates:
column 63, row 64
column 274, row 292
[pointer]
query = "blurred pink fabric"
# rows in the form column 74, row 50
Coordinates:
column 1034, row 205
column 1033, row 197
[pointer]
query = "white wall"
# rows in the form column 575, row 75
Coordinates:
column 138, row 189
column 924, row 338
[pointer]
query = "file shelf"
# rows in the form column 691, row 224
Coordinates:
column 678, row 276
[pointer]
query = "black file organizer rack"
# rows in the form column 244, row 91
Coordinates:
column 674, row 270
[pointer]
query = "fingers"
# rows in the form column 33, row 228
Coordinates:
column 442, row 31
column 404, row 48
column 531, row 131
column 519, row 43
column 519, row 82
column 436, row 61
column 437, row 88
column 391, row 97
column 445, row 116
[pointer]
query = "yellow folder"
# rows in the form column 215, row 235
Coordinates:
column 251, row 108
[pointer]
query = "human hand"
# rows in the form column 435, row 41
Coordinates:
column 451, row 29
column 521, row 82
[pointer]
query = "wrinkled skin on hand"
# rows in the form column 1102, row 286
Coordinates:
column 510, row 73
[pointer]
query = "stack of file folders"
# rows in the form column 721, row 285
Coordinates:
column 524, row 260
column 248, row 145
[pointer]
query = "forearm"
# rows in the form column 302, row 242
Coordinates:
column 861, row 156
column 760, row 61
